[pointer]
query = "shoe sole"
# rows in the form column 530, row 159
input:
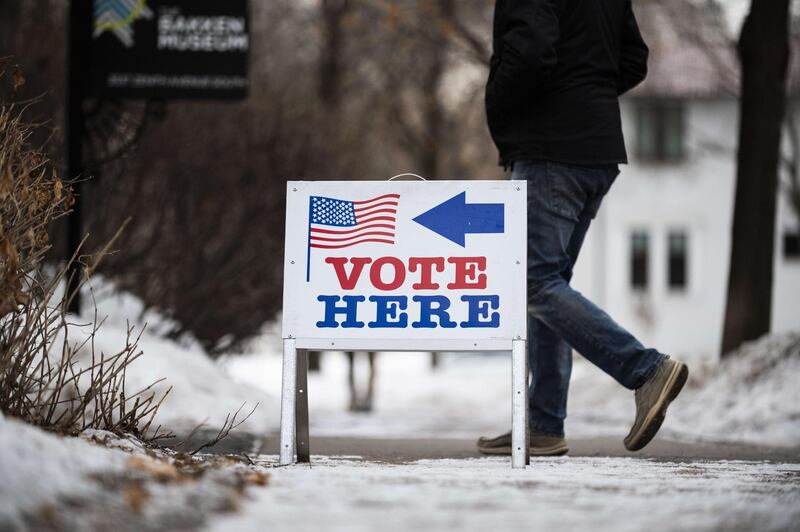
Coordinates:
column 555, row 450
column 655, row 417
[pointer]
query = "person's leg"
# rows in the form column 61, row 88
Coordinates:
column 550, row 360
column 557, row 197
column 549, row 356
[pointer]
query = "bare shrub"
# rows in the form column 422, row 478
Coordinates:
column 44, row 378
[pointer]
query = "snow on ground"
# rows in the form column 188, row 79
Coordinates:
column 54, row 483
column 617, row 494
column 69, row 483
column 752, row 396
column 63, row 484
column 200, row 391
column 36, row 467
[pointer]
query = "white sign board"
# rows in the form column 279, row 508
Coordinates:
column 399, row 265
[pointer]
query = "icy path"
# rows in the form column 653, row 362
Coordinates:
column 485, row 494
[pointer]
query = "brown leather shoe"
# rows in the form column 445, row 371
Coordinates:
column 538, row 444
column 652, row 400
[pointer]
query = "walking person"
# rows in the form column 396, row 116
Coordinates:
column 552, row 102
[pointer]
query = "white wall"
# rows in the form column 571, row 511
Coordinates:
column 786, row 283
column 697, row 196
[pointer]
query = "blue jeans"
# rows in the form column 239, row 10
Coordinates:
column 562, row 202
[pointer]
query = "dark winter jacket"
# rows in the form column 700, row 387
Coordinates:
column 556, row 73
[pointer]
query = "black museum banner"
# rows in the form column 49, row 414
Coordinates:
column 170, row 49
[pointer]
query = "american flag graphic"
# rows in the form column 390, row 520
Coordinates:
column 335, row 223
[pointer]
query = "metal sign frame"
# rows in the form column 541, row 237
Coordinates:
column 294, row 393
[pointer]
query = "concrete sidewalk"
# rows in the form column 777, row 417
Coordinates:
column 408, row 450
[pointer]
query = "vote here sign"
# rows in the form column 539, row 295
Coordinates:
column 384, row 265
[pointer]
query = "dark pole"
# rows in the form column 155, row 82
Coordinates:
column 80, row 27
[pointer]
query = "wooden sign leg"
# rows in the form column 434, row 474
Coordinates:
column 288, row 401
column 520, row 456
column 301, row 414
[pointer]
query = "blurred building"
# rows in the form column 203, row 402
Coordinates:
column 657, row 255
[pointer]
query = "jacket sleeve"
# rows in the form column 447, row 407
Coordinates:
column 528, row 51
column 633, row 53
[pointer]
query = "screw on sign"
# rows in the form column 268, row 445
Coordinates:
column 404, row 266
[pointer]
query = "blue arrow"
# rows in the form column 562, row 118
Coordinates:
column 454, row 218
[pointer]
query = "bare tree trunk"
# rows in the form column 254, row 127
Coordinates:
column 360, row 402
column 330, row 87
column 434, row 114
column 330, row 66
column 433, row 111
column 764, row 53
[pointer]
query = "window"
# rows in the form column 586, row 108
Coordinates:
column 791, row 246
column 640, row 251
column 678, row 260
column 660, row 131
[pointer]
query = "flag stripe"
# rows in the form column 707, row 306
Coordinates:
column 381, row 218
column 335, row 232
column 370, row 212
column 396, row 196
column 381, row 204
column 382, row 241
column 377, row 211
column 360, row 223
column 344, row 239
column 345, row 236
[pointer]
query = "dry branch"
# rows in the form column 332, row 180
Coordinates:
column 44, row 379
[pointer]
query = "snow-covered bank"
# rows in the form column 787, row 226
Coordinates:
column 753, row 396
column 750, row 397
column 36, row 467
column 201, row 391
column 48, row 482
